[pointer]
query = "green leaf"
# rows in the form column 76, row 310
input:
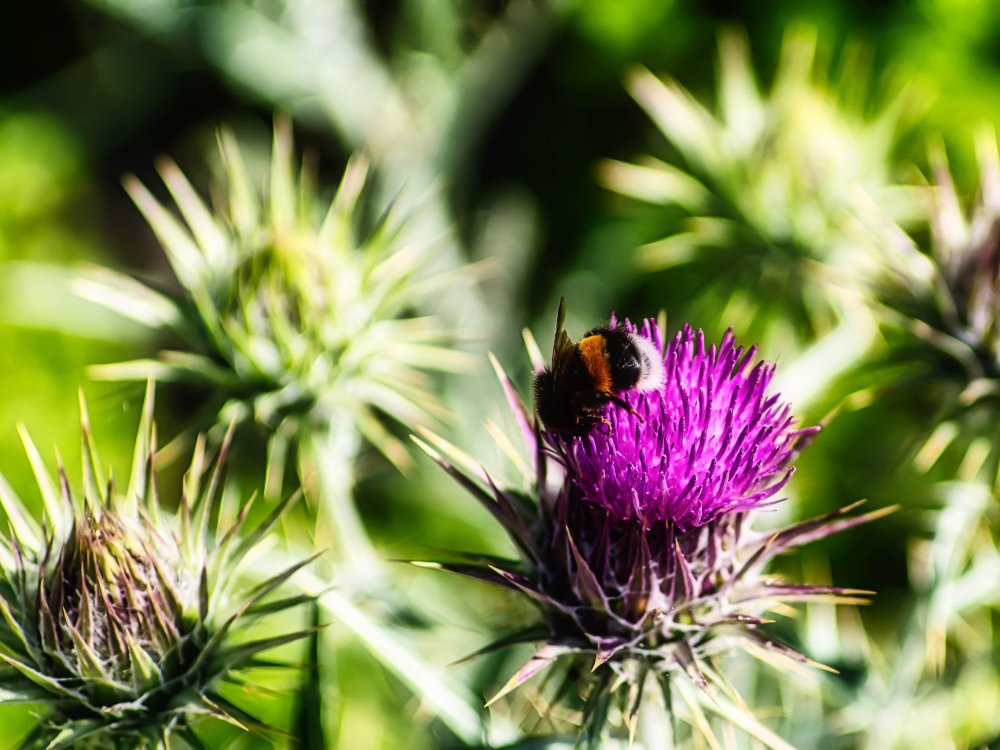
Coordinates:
column 93, row 477
column 595, row 711
column 88, row 662
column 685, row 656
column 237, row 655
column 486, row 573
column 678, row 116
column 219, row 636
column 70, row 736
column 336, row 226
column 384, row 441
column 190, row 366
column 744, row 721
column 241, row 718
column 656, row 182
column 529, row 634
column 309, row 706
column 185, row 256
column 136, row 369
column 139, row 478
column 524, row 418
column 282, row 214
column 250, row 540
column 56, row 507
column 278, row 605
column 17, row 631
column 49, row 684
column 128, row 297
column 243, row 206
column 23, row 526
column 187, row 734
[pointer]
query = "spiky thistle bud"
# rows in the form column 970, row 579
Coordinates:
column 120, row 622
column 640, row 555
column 766, row 179
column 301, row 316
column 939, row 302
column 942, row 291
column 299, row 313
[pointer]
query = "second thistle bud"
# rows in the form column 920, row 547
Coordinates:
column 122, row 624
column 111, row 601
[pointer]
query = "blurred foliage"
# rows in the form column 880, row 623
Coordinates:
column 49, row 209
column 492, row 118
column 767, row 182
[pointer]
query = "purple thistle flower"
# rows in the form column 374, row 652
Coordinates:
column 640, row 558
column 710, row 441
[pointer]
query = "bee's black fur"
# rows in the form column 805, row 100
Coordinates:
column 572, row 405
column 571, row 402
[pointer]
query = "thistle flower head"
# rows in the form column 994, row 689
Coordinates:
column 118, row 622
column 710, row 441
column 639, row 556
column 299, row 312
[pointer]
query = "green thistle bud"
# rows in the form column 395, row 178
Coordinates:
column 939, row 302
column 767, row 178
column 122, row 623
column 940, row 290
column 299, row 313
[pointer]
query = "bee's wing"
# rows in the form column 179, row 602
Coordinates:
column 562, row 345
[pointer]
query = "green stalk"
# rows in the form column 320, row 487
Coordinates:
column 963, row 511
column 454, row 705
column 330, row 456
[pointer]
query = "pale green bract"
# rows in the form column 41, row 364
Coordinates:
column 121, row 622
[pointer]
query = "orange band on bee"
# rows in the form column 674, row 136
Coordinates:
column 595, row 358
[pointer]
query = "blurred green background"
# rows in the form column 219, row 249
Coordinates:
column 509, row 110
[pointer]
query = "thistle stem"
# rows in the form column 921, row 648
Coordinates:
column 454, row 705
column 331, row 456
column 656, row 727
column 964, row 507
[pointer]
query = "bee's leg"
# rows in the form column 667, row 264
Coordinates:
column 604, row 426
column 624, row 404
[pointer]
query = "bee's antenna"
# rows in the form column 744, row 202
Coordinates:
column 624, row 404
column 560, row 319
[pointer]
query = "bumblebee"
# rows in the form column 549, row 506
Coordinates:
column 571, row 395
